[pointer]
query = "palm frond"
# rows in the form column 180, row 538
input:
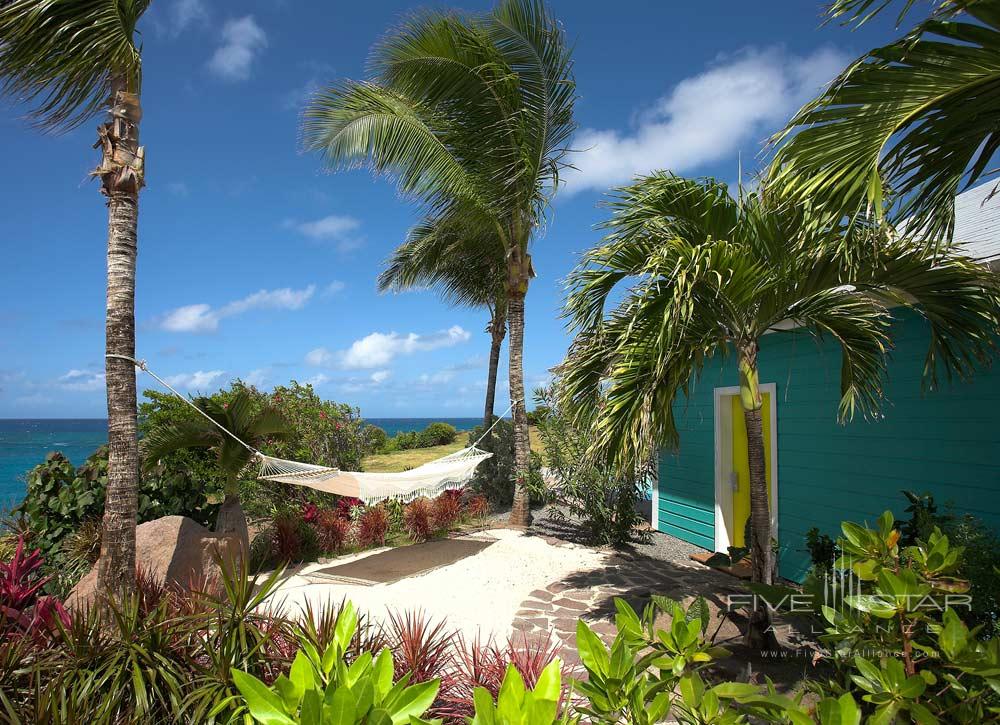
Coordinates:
column 362, row 123
column 910, row 123
column 163, row 440
column 62, row 58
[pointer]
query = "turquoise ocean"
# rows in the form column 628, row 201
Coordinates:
column 25, row 443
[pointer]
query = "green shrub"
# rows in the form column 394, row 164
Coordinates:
column 980, row 559
column 604, row 498
column 374, row 437
column 325, row 687
column 437, row 434
column 494, row 478
column 61, row 498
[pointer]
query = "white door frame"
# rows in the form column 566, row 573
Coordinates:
column 724, row 460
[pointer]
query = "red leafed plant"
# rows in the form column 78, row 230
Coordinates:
column 287, row 538
column 477, row 507
column 418, row 519
column 332, row 530
column 22, row 611
column 484, row 664
column 346, row 504
column 447, row 509
column 310, row 513
column 419, row 645
column 373, row 526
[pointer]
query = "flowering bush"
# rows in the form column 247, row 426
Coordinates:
column 447, row 510
column 418, row 519
column 310, row 512
column 373, row 525
column 349, row 507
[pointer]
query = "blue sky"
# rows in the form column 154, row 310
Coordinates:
column 254, row 263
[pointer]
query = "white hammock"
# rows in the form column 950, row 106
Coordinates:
column 449, row 472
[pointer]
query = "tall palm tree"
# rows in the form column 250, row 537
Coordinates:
column 467, row 268
column 915, row 120
column 238, row 415
column 472, row 115
column 69, row 61
column 709, row 275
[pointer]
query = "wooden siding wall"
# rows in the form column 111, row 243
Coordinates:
column 945, row 442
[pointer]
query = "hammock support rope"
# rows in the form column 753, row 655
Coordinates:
column 448, row 472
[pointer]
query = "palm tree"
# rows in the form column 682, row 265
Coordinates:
column 710, row 275
column 69, row 61
column 472, row 115
column 915, row 121
column 252, row 428
column 467, row 267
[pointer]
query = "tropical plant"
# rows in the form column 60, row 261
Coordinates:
column 229, row 429
column 437, row 434
column 650, row 675
column 902, row 607
column 69, row 62
column 373, row 526
column 516, row 704
column 323, row 687
column 709, row 276
column 913, row 121
column 467, row 268
column 418, row 519
column 472, row 114
column 602, row 496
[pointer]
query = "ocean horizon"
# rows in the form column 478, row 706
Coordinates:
column 25, row 442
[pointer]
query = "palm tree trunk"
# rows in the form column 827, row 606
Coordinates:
column 121, row 174
column 231, row 519
column 498, row 330
column 519, row 272
column 759, row 634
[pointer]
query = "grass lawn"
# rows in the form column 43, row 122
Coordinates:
column 405, row 460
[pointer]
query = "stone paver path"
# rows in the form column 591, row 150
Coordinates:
column 590, row 595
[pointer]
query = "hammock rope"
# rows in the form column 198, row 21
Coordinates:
column 448, row 472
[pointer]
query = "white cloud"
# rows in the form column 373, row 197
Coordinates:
column 178, row 188
column 258, row 378
column 439, row 378
column 380, row 376
column 81, row 380
column 205, row 318
column 318, row 380
column 242, row 39
column 341, row 230
column 333, row 288
column 706, row 117
column 184, row 13
column 380, row 348
column 200, row 380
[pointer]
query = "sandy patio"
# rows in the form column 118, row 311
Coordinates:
column 479, row 593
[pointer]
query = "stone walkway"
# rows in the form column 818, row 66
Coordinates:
column 590, row 595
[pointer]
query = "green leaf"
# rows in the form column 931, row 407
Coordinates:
column 340, row 707
column 414, row 700
column 265, row 706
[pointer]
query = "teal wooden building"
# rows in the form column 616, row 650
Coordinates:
column 945, row 442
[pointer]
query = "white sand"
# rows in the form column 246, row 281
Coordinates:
column 478, row 594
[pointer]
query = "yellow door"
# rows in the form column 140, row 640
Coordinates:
column 741, row 493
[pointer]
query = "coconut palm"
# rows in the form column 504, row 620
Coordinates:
column 471, row 114
column 238, row 416
column 467, row 268
column 68, row 61
column 708, row 275
column 915, row 120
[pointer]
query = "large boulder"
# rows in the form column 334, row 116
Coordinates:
column 173, row 551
